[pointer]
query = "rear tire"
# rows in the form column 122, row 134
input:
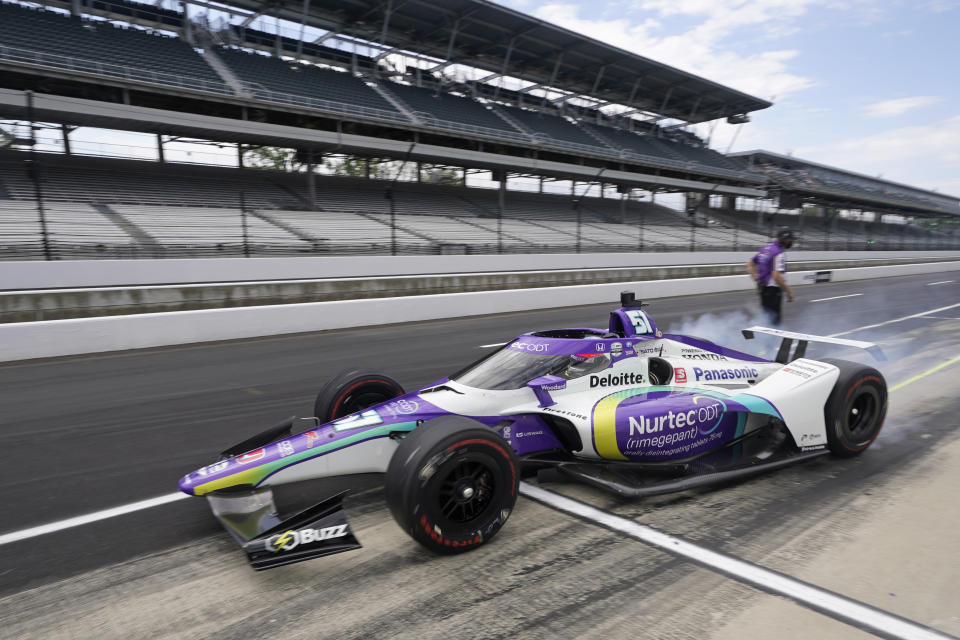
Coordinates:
column 352, row 391
column 452, row 483
column 856, row 408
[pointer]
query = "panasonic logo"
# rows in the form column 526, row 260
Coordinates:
column 616, row 380
column 741, row 373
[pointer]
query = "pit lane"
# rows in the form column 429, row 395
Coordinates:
column 88, row 433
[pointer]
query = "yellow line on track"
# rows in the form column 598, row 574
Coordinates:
column 942, row 365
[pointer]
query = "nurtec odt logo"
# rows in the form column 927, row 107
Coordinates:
column 291, row 539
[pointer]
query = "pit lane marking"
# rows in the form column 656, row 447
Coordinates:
column 23, row 534
column 942, row 365
column 930, row 284
column 827, row 602
column 895, row 320
column 852, row 295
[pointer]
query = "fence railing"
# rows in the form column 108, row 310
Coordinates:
column 77, row 231
column 111, row 70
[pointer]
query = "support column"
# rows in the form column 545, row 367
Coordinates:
column 160, row 148
column 240, row 155
column 501, row 195
column 311, row 184
column 541, row 185
column 75, row 8
column 65, row 130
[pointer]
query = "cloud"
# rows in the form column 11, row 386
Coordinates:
column 898, row 106
column 926, row 155
column 707, row 43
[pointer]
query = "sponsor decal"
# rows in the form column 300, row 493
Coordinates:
column 216, row 467
column 739, row 373
column 703, row 355
column 312, row 437
column 817, row 448
column 527, row 434
column 532, row 347
column 556, row 386
column 251, row 456
column 823, row 276
column 368, row 418
column 291, row 539
column 616, row 349
column 506, row 433
column 285, row 447
column 705, row 415
column 680, row 375
column 616, row 380
column 405, row 407
column 565, row 412
column 640, row 321
column 599, row 347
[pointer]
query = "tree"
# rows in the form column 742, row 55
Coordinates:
column 272, row 158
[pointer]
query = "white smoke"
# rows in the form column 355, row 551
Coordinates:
column 724, row 329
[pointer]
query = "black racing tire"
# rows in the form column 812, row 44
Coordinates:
column 352, row 391
column 431, row 472
column 856, row 408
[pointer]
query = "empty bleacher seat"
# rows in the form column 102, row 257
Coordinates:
column 451, row 111
column 57, row 39
column 295, row 79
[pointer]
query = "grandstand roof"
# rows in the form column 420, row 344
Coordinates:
column 940, row 202
column 486, row 35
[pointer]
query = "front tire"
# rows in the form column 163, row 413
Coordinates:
column 856, row 408
column 353, row 391
column 452, row 483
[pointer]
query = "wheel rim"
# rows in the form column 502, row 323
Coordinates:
column 861, row 417
column 466, row 490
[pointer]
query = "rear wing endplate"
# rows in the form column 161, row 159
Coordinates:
column 802, row 339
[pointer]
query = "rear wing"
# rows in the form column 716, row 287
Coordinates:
column 802, row 339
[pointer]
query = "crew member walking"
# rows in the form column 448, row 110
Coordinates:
column 767, row 269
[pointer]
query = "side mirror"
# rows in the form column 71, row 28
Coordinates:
column 542, row 387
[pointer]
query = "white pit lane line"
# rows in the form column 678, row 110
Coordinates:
column 930, row 284
column 852, row 295
column 834, row 605
column 60, row 525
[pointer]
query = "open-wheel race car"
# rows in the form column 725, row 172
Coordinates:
column 628, row 409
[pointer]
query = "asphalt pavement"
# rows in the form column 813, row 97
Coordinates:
column 82, row 434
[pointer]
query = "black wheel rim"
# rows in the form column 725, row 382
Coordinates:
column 861, row 418
column 466, row 490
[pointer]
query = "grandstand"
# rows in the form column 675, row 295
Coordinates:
column 466, row 84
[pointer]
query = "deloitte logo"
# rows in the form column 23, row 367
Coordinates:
column 616, row 380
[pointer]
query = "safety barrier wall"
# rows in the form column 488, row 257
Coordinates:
column 26, row 340
column 108, row 273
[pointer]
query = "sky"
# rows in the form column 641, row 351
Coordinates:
column 868, row 86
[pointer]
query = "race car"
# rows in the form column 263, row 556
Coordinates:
column 627, row 409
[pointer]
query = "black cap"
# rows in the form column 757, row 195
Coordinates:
column 785, row 234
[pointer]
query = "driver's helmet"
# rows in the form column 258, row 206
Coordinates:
column 583, row 364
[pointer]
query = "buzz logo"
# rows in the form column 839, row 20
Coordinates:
column 741, row 373
column 291, row 539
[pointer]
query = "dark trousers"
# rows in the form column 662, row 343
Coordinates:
column 771, row 299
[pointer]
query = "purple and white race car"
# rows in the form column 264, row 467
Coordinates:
column 627, row 408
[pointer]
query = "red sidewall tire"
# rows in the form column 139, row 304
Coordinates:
column 352, row 391
column 422, row 484
column 856, row 409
